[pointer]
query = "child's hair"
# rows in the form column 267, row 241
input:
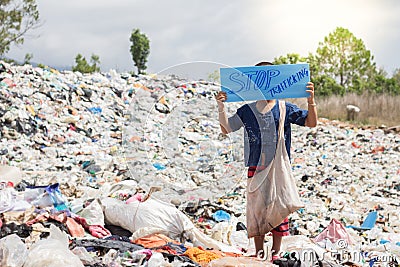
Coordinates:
column 264, row 63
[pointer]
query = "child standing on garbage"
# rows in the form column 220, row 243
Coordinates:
column 259, row 154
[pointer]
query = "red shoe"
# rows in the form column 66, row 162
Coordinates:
column 275, row 257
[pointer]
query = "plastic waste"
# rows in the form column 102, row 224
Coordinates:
column 159, row 166
column 13, row 251
column 151, row 213
column 333, row 232
column 93, row 213
column 22, row 230
column 52, row 251
column 157, row 214
column 10, row 174
column 369, row 222
column 222, row 231
column 84, row 256
column 240, row 240
column 156, row 260
column 112, row 258
column 38, row 197
column 7, row 197
column 96, row 110
column 57, row 198
column 221, row 215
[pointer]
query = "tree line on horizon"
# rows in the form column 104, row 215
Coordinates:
column 340, row 65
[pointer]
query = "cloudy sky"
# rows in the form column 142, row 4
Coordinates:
column 228, row 32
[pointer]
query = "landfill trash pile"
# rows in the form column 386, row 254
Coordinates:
column 110, row 169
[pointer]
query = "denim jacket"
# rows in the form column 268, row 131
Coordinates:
column 261, row 130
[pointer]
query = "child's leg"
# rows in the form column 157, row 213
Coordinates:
column 276, row 243
column 259, row 244
column 277, row 233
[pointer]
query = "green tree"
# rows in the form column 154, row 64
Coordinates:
column 140, row 49
column 214, row 76
column 83, row 66
column 327, row 86
column 290, row 58
column 381, row 84
column 396, row 76
column 95, row 60
column 345, row 59
column 28, row 58
column 17, row 17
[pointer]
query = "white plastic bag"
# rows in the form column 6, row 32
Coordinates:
column 157, row 260
column 151, row 213
column 155, row 213
column 239, row 239
column 52, row 252
column 8, row 198
column 93, row 213
column 38, row 197
column 83, row 255
column 221, row 231
column 10, row 174
column 13, row 251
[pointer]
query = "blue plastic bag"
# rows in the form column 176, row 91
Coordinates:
column 221, row 215
column 57, row 198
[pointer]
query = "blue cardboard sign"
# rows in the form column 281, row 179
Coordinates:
column 265, row 82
